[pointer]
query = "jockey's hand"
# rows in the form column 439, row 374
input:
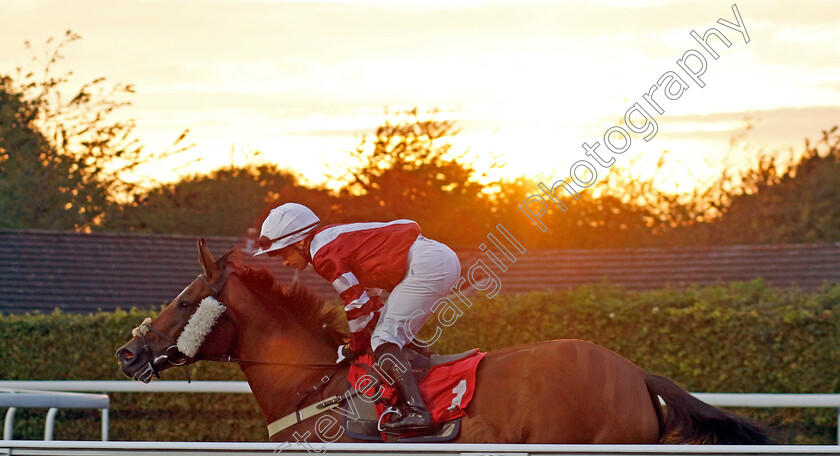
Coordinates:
column 345, row 353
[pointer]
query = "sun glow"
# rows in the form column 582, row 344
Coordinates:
column 528, row 82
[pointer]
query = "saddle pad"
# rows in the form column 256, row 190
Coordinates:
column 447, row 389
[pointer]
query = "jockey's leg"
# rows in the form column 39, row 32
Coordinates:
column 432, row 269
column 415, row 416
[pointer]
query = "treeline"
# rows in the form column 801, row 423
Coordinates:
column 65, row 164
column 795, row 202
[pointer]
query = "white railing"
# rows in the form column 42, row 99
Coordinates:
column 127, row 386
column 52, row 400
column 30, row 447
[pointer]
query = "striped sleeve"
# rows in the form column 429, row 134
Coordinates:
column 359, row 308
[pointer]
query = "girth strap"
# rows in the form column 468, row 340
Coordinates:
column 308, row 412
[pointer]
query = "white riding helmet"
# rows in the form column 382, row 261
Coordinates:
column 285, row 225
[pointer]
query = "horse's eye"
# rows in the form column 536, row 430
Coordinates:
column 183, row 305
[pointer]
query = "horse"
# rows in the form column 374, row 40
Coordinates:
column 563, row 391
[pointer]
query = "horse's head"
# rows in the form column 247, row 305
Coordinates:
column 178, row 335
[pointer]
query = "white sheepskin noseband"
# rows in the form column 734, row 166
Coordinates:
column 200, row 324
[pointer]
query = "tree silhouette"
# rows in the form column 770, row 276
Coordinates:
column 64, row 161
column 226, row 201
column 787, row 203
column 408, row 169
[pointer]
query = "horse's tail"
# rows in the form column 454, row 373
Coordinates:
column 690, row 420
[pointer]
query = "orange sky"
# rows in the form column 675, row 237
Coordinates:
column 530, row 80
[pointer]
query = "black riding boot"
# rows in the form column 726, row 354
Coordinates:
column 415, row 415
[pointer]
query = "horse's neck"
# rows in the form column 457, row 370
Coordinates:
column 277, row 388
column 277, row 397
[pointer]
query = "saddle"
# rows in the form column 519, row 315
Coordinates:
column 421, row 364
column 365, row 426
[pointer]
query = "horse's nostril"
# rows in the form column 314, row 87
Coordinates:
column 125, row 354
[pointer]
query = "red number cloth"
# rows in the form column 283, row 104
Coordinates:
column 447, row 389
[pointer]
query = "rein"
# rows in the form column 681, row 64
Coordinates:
column 176, row 358
column 151, row 367
column 230, row 359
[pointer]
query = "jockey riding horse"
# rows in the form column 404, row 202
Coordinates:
column 361, row 260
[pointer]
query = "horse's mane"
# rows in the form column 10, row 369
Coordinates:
column 307, row 308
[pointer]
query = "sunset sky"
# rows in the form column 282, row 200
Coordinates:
column 530, row 80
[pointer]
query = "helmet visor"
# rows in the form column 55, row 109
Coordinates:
column 266, row 242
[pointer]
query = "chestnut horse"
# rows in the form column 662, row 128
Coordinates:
column 563, row 391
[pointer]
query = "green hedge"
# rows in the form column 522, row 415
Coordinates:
column 741, row 337
column 81, row 347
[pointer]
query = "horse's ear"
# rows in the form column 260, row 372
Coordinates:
column 205, row 258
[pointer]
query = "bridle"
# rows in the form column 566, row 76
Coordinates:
column 171, row 355
column 175, row 358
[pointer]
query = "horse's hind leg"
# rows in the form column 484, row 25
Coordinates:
column 610, row 403
column 559, row 392
column 632, row 417
column 612, row 396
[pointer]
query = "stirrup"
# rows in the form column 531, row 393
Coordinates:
column 387, row 412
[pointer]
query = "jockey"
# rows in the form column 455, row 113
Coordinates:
column 361, row 260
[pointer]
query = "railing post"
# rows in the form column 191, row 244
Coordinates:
column 50, row 426
column 9, row 423
column 104, row 425
column 838, row 425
